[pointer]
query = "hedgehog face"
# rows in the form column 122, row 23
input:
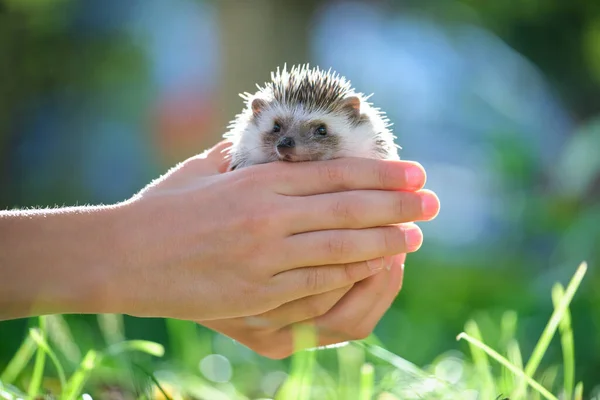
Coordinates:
column 308, row 115
column 294, row 133
column 308, row 139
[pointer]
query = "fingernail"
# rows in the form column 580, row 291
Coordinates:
column 377, row 264
column 388, row 261
column 415, row 179
column 413, row 237
column 429, row 205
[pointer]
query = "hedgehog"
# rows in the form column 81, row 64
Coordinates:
column 308, row 114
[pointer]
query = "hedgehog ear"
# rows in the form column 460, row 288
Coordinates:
column 351, row 104
column 258, row 105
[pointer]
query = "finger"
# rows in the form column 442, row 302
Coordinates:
column 349, row 245
column 308, row 281
column 356, row 315
column 340, row 323
column 371, row 319
column 210, row 162
column 318, row 177
column 362, row 209
column 297, row 310
column 191, row 173
column 267, row 333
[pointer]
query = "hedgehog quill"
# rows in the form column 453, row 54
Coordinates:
column 308, row 114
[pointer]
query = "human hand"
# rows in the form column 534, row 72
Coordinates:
column 203, row 245
column 348, row 313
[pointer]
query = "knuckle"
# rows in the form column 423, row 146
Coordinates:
column 333, row 174
column 392, row 239
column 399, row 205
column 345, row 212
column 339, row 248
column 383, row 172
column 315, row 279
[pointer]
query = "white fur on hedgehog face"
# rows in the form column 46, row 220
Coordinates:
column 353, row 140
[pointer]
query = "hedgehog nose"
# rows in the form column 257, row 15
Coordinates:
column 286, row 142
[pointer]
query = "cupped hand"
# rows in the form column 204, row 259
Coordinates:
column 209, row 245
column 348, row 313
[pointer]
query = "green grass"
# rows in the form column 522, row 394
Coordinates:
column 49, row 363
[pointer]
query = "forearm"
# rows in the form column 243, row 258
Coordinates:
column 57, row 261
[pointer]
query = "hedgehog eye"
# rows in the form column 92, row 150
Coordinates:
column 321, row 130
column 276, row 127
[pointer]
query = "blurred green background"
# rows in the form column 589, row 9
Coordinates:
column 500, row 101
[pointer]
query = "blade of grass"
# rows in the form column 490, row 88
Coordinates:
column 398, row 362
column 61, row 337
column 194, row 386
column 298, row 384
column 188, row 342
column 350, row 360
column 548, row 378
column 407, row 369
column 579, row 391
column 153, row 379
column 325, row 383
column 567, row 344
column 367, row 381
column 372, row 339
column 145, row 346
column 551, row 326
column 508, row 326
column 43, row 344
column 113, row 331
column 111, row 327
column 305, row 338
column 488, row 387
column 38, row 368
column 513, row 352
column 19, row 361
column 557, row 315
column 77, row 381
column 492, row 353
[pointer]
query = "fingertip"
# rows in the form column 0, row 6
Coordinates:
column 399, row 259
column 378, row 264
column 415, row 175
column 218, row 155
column 430, row 204
column 413, row 237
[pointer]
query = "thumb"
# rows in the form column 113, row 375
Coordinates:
column 212, row 161
column 186, row 174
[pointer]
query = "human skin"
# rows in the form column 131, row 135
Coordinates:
column 200, row 244
column 349, row 313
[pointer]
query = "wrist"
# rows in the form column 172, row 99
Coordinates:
column 58, row 261
column 139, row 250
